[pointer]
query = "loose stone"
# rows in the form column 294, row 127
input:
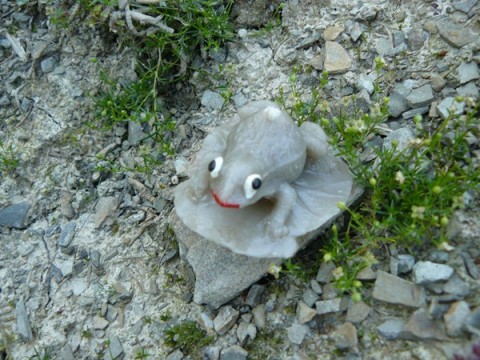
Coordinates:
column 365, row 82
column 316, row 287
column 420, row 326
column 234, row 352
column 395, row 290
column 106, row 206
column 254, row 296
column 464, row 6
column 332, row 32
column 420, row 97
column 135, row 133
column 438, row 82
column 357, row 312
column 468, row 90
column 337, row 60
column 115, row 349
column 345, row 336
column 391, row 329
column 310, row 297
column 246, row 330
column 23, row 324
column 100, row 323
column 331, row 306
column 456, row 317
column 457, row 286
column 325, row 274
column 366, row 274
column 226, row 318
column 305, row 313
column 212, row 100
column 455, row 34
column 48, row 64
column 418, row 111
column 297, row 332
column 405, row 263
column 259, row 316
column 67, row 234
column 14, row 215
column 448, row 106
column 401, row 137
column 467, row 72
column 176, row 355
column 206, row 323
column 426, row 272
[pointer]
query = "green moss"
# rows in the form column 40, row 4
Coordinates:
column 188, row 337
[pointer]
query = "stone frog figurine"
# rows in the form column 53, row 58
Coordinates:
column 261, row 182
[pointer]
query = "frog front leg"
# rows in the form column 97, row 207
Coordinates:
column 284, row 198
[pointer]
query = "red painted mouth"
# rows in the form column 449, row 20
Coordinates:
column 224, row 204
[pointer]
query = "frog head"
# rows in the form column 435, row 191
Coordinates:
column 236, row 183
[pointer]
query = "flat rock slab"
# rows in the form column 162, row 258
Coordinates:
column 14, row 215
column 222, row 274
column 394, row 290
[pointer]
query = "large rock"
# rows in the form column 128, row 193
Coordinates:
column 14, row 215
column 455, row 34
column 222, row 274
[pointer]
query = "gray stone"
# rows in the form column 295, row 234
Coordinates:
column 212, row 100
column 234, row 352
column 99, row 323
column 405, row 263
column 212, row 352
column 391, row 329
column 355, row 30
column 225, row 319
column 255, row 294
column 245, row 331
column 394, row 290
column 437, row 309
column 468, row 90
column 365, row 82
column 366, row 274
column 135, row 133
column 416, row 38
column 48, row 64
column 336, row 58
column 330, row 291
column 384, row 47
column 23, row 324
column 305, row 313
column 297, row 332
column 427, row 272
column 398, row 38
column 464, row 6
column 420, row 327
column 14, row 215
column 65, row 266
column 331, row 306
column 324, row 274
column 456, row 318
column 332, row 32
column 67, row 353
column 357, row 312
column 438, row 82
column 239, row 99
column 457, row 286
column 175, row 355
column 398, row 104
column 420, row 97
column 106, row 206
column 259, row 316
column 345, row 336
column 472, row 324
column 367, row 12
column 467, row 72
column 316, row 287
column 115, row 349
column 67, row 235
column 455, row 34
column 401, row 137
column 470, row 266
column 310, row 297
column 418, row 111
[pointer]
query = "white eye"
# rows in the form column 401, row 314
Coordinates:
column 252, row 184
column 215, row 166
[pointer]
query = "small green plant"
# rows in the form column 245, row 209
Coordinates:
column 141, row 354
column 8, row 158
column 411, row 191
column 188, row 337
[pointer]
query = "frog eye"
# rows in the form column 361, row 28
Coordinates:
column 252, row 184
column 215, row 166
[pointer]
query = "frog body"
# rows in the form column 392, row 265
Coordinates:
column 255, row 182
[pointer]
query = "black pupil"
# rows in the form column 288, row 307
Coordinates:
column 211, row 166
column 256, row 183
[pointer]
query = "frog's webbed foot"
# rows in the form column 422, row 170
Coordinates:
column 276, row 222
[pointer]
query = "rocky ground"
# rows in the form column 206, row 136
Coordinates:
column 89, row 267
